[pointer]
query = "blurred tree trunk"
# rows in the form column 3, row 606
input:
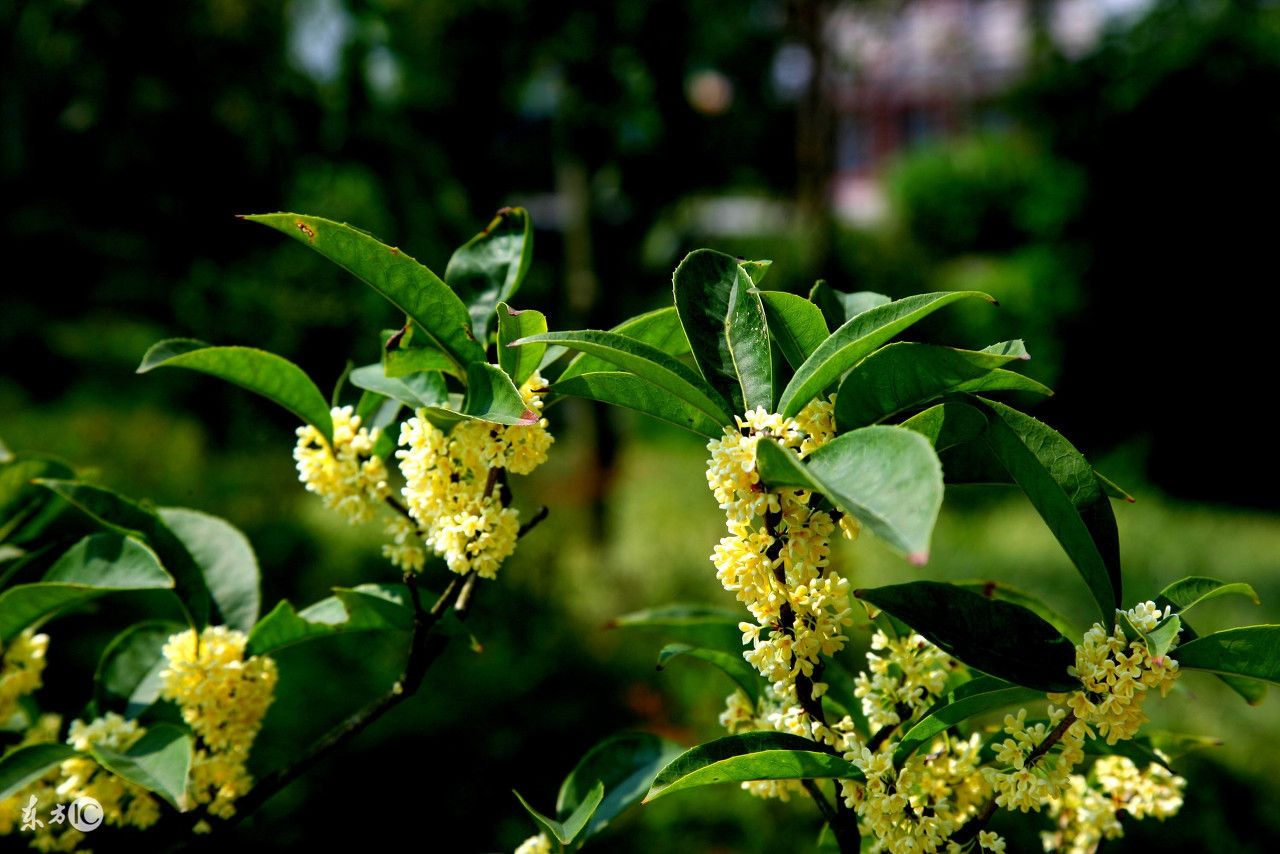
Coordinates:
column 815, row 131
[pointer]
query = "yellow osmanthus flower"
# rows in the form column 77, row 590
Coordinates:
column 539, row 844
column 1027, row 785
column 21, row 669
column 905, row 674
column 1116, row 674
column 775, row 559
column 450, row 486
column 223, row 697
column 919, row 807
column 1089, row 811
column 345, row 474
column 123, row 803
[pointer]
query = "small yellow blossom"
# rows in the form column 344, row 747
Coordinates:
column 21, row 669
column 539, row 844
column 345, row 474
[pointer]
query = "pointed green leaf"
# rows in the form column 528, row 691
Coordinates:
column 128, row 674
column 751, row 756
column 795, row 323
column 409, row 350
column 22, row 766
column 1006, row 593
column 489, row 267
column 413, row 390
column 626, row 765
column 888, row 477
column 97, row 565
column 491, row 396
column 567, row 833
column 1065, row 491
column 976, row 697
column 225, row 557
column 999, row 638
column 1251, row 690
column 1188, row 592
column 907, row 375
column 838, row 307
column 856, row 340
column 117, row 513
column 660, row 329
column 519, row 362
column 948, row 424
column 159, row 762
column 725, row 323
column 733, row 666
column 645, row 361
column 365, row 608
column 274, row 377
column 631, row 392
column 408, row 285
column 1252, row 652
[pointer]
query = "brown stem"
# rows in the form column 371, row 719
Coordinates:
column 970, row 829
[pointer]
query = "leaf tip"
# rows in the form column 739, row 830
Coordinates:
column 529, row 417
column 919, row 558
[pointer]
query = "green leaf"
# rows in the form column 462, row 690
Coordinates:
column 948, row 424
column 1188, row 592
column 274, row 377
column 626, row 765
column 225, row 557
column 1251, row 651
column 491, row 396
column 660, row 329
column 1251, row 690
column 413, row 390
column 725, row 323
column 1065, row 491
column 856, row 340
column 907, row 375
column 645, row 361
column 97, row 565
column 128, row 674
column 1113, row 489
column 22, row 766
column 26, row 509
column 1005, row 593
column 976, row 697
column 519, row 362
column 408, row 350
column 365, row 608
column 159, row 762
column 408, row 285
column 887, row 477
column 838, row 307
column 733, row 666
column 750, row 756
column 568, row 831
column 631, row 392
column 795, row 323
column 999, row 638
column 118, row 514
column 489, row 267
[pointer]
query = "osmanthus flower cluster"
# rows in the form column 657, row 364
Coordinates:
column 22, row 664
column 816, row 422
column 224, row 696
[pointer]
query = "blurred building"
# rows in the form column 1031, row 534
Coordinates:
column 902, row 73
